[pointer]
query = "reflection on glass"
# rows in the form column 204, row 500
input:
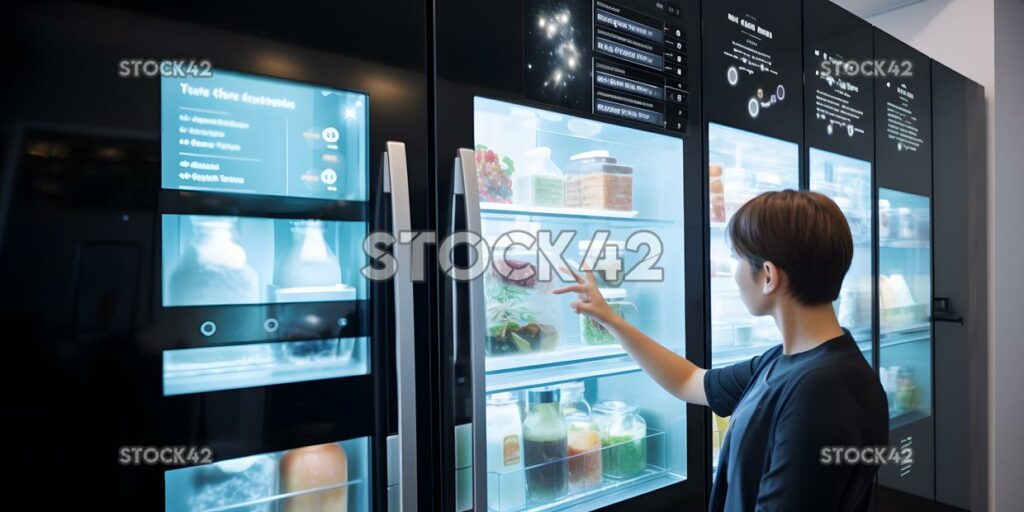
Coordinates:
column 847, row 181
column 904, row 296
column 741, row 166
column 323, row 477
column 613, row 189
column 216, row 260
column 198, row 370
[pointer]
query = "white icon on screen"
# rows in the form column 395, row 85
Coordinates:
column 732, row 75
column 329, row 177
column 330, row 134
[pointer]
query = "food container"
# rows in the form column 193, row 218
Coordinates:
column 717, row 193
column 539, row 182
column 596, row 180
column 493, row 171
column 594, row 333
column 624, row 438
column 523, row 316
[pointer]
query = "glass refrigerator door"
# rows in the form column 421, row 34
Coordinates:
column 740, row 166
column 904, row 296
column 848, row 182
column 571, row 421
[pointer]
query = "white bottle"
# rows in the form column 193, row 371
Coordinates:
column 506, row 484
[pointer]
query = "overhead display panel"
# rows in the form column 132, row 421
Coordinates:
column 838, row 99
column 625, row 59
column 752, row 71
column 903, row 120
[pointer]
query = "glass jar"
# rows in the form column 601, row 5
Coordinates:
column 309, row 261
column 506, row 486
column 538, row 181
column 623, row 438
column 523, row 316
column 606, row 260
column 573, row 400
column 545, row 446
column 214, row 269
column 717, row 193
column 596, row 180
column 592, row 331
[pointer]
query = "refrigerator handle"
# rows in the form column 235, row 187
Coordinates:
column 465, row 168
column 396, row 183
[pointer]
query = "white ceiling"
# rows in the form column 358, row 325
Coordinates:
column 868, row 8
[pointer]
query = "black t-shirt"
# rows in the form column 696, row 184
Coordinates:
column 784, row 410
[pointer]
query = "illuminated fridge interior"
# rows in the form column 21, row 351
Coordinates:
column 741, row 165
column 333, row 476
column 847, row 181
column 541, row 170
column 904, row 300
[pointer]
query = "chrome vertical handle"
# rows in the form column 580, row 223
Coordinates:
column 465, row 172
column 396, row 183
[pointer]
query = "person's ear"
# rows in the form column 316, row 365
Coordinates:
column 772, row 278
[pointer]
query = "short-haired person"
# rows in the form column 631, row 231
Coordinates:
column 813, row 391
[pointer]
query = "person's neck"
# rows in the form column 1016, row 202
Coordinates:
column 805, row 327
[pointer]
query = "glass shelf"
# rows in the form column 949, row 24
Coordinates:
column 325, row 477
column 645, row 459
column 200, row 370
column 555, row 373
column 564, row 211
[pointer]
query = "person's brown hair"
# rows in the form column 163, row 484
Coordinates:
column 803, row 233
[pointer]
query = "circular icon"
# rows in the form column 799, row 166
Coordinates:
column 760, row 93
column 753, row 107
column 271, row 325
column 329, row 177
column 342, row 321
column 330, row 134
column 732, row 76
column 207, row 328
column 780, row 91
column 849, row 130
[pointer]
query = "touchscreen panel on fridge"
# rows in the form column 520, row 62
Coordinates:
column 244, row 134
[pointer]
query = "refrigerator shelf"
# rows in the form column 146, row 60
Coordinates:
column 584, row 353
column 559, row 372
column 271, row 502
column 201, row 370
column 908, row 334
column 653, row 475
column 500, row 211
column 904, row 244
column 548, row 210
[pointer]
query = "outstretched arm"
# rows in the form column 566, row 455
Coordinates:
column 671, row 371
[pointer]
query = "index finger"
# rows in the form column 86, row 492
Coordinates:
column 574, row 275
column 590, row 274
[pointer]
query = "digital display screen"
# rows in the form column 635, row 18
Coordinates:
column 625, row 58
column 838, row 110
column 245, row 134
column 752, row 66
column 223, row 260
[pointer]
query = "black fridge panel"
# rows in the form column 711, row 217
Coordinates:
column 839, row 96
column 100, row 218
column 903, row 118
column 752, row 66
